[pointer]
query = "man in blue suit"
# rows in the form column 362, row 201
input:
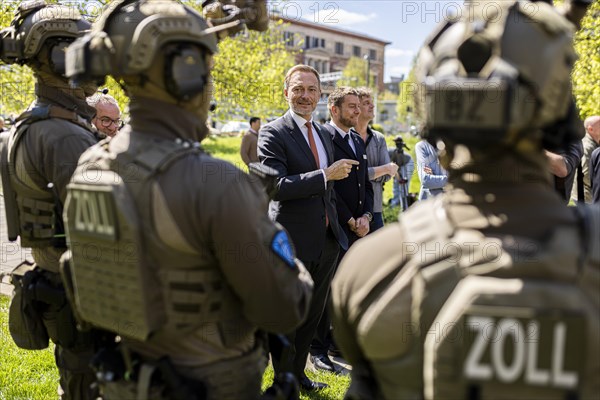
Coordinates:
column 355, row 193
column 354, row 196
column 305, row 204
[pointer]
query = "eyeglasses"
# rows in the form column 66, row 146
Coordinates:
column 106, row 121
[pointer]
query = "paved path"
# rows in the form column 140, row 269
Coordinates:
column 11, row 253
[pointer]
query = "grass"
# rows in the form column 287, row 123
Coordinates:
column 33, row 375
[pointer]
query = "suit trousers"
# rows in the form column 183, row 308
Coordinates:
column 322, row 273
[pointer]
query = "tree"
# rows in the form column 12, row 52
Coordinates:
column 248, row 71
column 405, row 108
column 17, row 82
column 248, row 74
column 354, row 74
column 586, row 85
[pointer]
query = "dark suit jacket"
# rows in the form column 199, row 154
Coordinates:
column 355, row 193
column 302, row 198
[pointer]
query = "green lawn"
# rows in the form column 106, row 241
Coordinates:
column 32, row 374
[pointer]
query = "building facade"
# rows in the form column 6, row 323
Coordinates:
column 328, row 49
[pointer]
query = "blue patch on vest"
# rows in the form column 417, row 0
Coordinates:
column 283, row 248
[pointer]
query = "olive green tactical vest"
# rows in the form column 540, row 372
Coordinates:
column 490, row 317
column 31, row 211
column 109, row 217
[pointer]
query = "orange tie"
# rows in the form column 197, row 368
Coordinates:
column 313, row 145
column 313, row 148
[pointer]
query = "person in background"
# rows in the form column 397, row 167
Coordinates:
column 432, row 175
column 595, row 175
column 590, row 142
column 108, row 114
column 406, row 167
column 381, row 169
column 562, row 164
column 249, row 147
column 301, row 152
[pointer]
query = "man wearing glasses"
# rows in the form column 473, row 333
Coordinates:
column 108, row 115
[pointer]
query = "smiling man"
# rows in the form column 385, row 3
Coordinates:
column 302, row 153
column 108, row 115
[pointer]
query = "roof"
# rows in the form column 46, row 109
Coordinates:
column 313, row 25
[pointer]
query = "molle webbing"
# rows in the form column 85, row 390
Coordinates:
column 150, row 287
column 35, row 205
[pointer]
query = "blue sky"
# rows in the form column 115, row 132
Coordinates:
column 405, row 24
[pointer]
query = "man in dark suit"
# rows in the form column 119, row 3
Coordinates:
column 302, row 154
column 354, row 196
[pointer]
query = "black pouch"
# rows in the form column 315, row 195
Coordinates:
column 25, row 317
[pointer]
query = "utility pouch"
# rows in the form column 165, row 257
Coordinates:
column 25, row 316
column 123, row 375
column 49, row 290
column 67, row 334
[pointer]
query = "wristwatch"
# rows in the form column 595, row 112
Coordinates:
column 369, row 216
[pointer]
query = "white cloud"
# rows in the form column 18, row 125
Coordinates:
column 399, row 53
column 340, row 16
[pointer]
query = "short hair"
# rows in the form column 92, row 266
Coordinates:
column 336, row 98
column 300, row 68
column 364, row 92
column 253, row 120
column 589, row 121
column 101, row 98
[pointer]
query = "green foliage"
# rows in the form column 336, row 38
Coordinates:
column 387, row 95
column 586, row 85
column 378, row 127
column 354, row 74
column 248, row 74
column 17, row 82
column 405, row 107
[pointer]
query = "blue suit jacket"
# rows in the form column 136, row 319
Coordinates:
column 355, row 193
column 302, row 198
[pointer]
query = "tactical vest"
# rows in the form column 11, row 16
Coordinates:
column 32, row 212
column 488, row 317
column 110, row 221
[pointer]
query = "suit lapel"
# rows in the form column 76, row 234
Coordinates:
column 343, row 145
column 298, row 137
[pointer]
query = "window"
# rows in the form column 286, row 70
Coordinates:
column 288, row 38
column 373, row 55
column 323, row 43
column 315, row 42
column 384, row 116
column 356, row 51
column 307, row 42
column 339, row 48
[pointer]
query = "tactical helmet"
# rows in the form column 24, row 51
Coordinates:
column 38, row 25
column 129, row 35
column 495, row 74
